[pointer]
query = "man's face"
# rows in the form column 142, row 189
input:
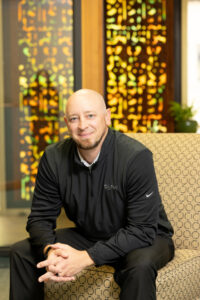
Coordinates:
column 87, row 121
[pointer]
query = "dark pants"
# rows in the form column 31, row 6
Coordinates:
column 135, row 273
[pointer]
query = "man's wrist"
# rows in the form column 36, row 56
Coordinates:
column 46, row 251
column 90, row 261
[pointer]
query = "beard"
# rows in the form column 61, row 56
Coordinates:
column 87, row 145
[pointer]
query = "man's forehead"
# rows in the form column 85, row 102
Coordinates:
column 85, row 103
column 76, row 112
column 94, row 97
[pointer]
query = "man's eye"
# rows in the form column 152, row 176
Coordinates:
column 90, row 116
column 73, row 119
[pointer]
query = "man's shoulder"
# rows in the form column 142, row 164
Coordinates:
column 128, row 144
column 60, row 150
column 60, row 146
column 127, row 150
column 58, row 154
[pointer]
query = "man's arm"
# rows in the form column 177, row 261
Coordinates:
column 142, row 209
column 46, row 207
column 62, row 262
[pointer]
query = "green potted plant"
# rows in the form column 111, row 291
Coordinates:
column 183, row 117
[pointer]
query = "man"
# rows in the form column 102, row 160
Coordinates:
column 107, row 185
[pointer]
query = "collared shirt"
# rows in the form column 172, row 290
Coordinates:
column 85, row 162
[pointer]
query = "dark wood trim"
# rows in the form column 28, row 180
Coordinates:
column 77, row 47
column 177, row 51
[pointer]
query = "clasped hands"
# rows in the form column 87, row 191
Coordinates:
column 63, row 263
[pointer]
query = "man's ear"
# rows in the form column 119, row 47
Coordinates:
column 65, row 119
column 108, row 117
column 66, row 122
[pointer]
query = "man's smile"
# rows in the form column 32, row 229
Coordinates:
column 85, row 134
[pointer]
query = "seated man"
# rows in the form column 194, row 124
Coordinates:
column 107, row 185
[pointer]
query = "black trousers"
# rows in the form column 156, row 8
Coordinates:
column 135, row 273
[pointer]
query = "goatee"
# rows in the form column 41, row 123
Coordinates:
column 89, row 146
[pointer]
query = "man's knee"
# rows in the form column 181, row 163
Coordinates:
column 23, row 272
column 138, row 259
column 20, row 248
column 140, row 267
column 137, row 266
column 143, row 270
column 23, row 252
column 140, row 273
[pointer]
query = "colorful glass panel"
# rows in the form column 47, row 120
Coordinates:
column 46, row 79
column 136, row 64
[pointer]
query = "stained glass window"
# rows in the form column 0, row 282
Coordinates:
column 42, row 78
column 136, row 64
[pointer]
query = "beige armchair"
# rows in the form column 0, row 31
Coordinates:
column 177, row 164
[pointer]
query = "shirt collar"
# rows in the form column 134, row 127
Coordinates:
column 85, row 162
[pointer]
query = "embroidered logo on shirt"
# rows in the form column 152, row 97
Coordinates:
column 149, row 195
column 110, row 187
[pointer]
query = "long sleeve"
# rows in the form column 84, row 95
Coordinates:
column 46, row 206
column 142, row 209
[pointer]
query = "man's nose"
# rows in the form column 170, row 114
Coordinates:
column 82, row 123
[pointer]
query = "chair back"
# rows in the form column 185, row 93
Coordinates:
column 177, row 164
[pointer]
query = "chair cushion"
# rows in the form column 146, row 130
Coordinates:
column 179, row 280
column 92, row 283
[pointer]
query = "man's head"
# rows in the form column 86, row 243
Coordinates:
column 87, row 119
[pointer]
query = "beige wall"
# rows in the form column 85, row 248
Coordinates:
column 92, row 45
column 2, row 142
